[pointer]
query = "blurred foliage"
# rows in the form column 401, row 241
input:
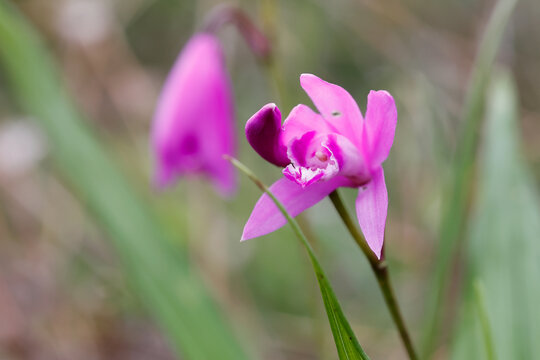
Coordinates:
column 456, row 211
column 171, row 291
column 503, row 249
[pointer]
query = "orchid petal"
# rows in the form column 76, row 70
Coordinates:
column 266, row 216
column 380, row 125
column 298, row 148
column 263, row 132
column 301, row 120
column 349, row 158
column 336, row 105
column 371, row 210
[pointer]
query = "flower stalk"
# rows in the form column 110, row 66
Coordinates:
column 380, row 269
column 255, row 38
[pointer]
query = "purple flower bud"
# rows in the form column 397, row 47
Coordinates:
column 193, row 123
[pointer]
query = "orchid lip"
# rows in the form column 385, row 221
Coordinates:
column 322, row 165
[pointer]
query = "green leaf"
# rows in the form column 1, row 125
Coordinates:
column 456, row 207
column 346, row 343
column 503, row 248
column 480, row 301
column 165, row 281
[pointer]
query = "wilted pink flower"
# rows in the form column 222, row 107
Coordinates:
column 193, row 122
column 321, row 152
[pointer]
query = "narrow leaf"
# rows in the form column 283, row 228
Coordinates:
column 503, row 248
column 480, row 301
column 346, row 343
column 456, row 207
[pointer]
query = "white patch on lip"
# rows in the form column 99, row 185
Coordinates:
column 321, row 166
column 305, row 176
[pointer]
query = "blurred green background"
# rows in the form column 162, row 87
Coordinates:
column 94, row 264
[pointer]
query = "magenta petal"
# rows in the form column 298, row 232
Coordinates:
column 301, row 120
column 380, row 125
column 348, row 157
column 371, row 210
column 298, row 148
column 193, row 125
column 263, row 132
column 266, row 216
column 336, row 105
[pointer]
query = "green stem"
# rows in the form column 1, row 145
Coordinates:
column 380, row 269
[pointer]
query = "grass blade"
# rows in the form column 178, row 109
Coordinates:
column 480, row 301
column 346, row 343
column 165, row 282
column 456, row 210
column 503, row 248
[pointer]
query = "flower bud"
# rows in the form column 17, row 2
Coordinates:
column 193, row 125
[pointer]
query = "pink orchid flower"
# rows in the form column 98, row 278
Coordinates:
column 320, row 152
column 193, row 125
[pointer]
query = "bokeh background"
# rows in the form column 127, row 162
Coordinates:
column 70, row 290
